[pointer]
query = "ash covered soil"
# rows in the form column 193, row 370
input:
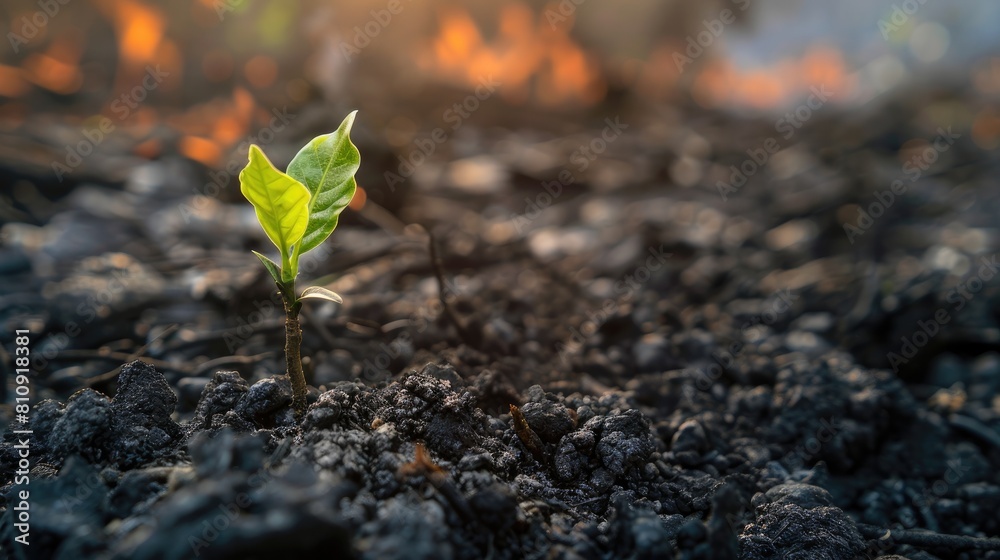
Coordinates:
column 699, row 376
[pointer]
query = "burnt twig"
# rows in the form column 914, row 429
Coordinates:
column 463, row 332
column 928, row 539
column 527, row 436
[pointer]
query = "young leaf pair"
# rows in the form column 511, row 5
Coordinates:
column 300, row 209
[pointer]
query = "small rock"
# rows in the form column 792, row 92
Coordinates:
column 625, row 441
column 549, row 420
column 220, row 395
column 85, row 427
column 690, row 436
column 800, row 525
column 265, row 397
column 572, row 456
column 804, row 495
column 652, row 354
column 141, row 423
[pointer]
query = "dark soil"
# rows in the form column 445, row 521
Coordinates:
column 699, row 378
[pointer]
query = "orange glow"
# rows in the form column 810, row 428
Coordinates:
column 823, row 66
column 140, row 29
column 200, row 149
column 713, row 86
column 987, row 77
column 52, row 74
column 216, row 124
column 139, row 32
column 12, row 83
column 986, row 129
column 243, row 103
column 261, row 71
column 516, row 20
column 217, row 65
column 226, row 129
column 525, row 56
column 146, row 117
column 657, row 77
column 359, row 199
column 459, row 38
column 148, row 149
column 718, row 84
column 761, row 89
column 169, row 59
column 56, row 69
column 66, row 48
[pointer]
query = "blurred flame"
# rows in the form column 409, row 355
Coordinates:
column 824, row 65
column 243, row 103
column 761, row 89
column 200, row 149
column 140, row 29
column 986, row 129
column 261, row 71
column 719, row 84
column 658, row 76
column 712, row 87
column 459, row 38
column 224, row 120
column 148, row 149
column 987, row 77
column 52, row 74
column 56, row 69
column 227, row 129
column 359, row 199
column 12, row 82
column 525, row 48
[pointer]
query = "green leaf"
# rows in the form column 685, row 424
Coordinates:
column 271, row 267
column 326, row 166
column 316, row 292
column 281, row 204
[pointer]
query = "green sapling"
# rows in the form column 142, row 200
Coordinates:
column 299, row 210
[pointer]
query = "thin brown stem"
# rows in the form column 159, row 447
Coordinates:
column 293, row 358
